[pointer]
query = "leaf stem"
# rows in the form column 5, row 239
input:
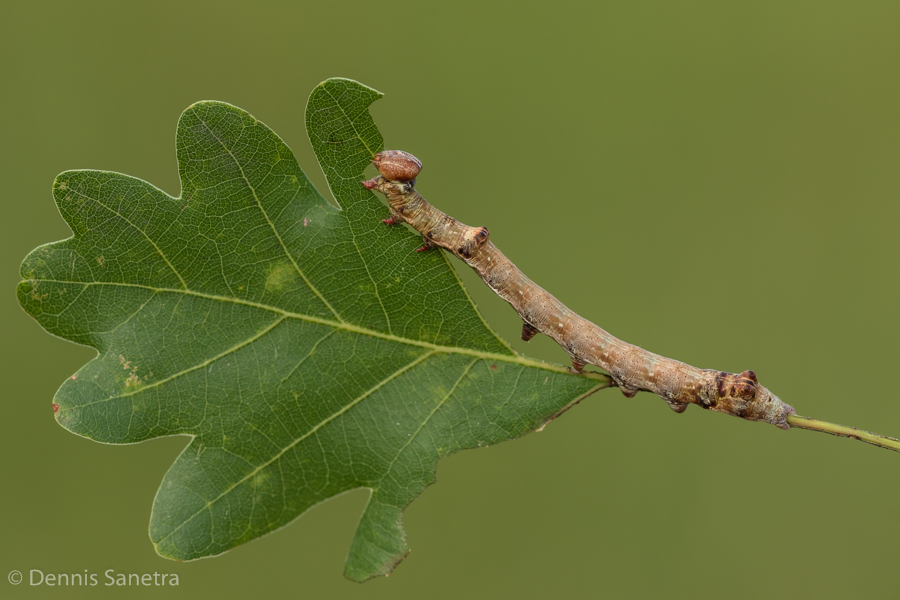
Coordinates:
column 868, row 437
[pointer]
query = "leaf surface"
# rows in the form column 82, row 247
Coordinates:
column 306, row 349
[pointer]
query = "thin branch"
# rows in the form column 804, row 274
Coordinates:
column 868, row 437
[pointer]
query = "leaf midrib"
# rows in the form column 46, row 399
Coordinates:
column 507, row 358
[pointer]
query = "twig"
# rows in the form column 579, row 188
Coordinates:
column 882, row 441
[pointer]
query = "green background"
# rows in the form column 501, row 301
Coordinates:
column 716, row 182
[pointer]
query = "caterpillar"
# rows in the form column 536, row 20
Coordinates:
column 632, row 368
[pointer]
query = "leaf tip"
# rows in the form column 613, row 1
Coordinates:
column 362, row 575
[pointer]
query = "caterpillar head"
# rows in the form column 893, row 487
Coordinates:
column 397, row 165
column 743, row 396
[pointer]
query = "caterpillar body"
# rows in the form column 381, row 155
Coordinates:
column 632, row 368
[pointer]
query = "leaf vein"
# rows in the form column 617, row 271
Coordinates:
column 513, row 357
column 201, row 365
column 141, row 231
column 271, row 224
column 306, row 435
column 427, row 419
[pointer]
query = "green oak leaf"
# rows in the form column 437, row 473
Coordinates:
column 306, row 350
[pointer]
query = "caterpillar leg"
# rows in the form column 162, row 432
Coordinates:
column 577, row 366
column 629, row 392
column 678, row 407
column 426, row 245
column 528, row 331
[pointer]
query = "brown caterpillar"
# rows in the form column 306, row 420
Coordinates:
column 632, row 368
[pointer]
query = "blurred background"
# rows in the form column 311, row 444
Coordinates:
column 716, row 182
